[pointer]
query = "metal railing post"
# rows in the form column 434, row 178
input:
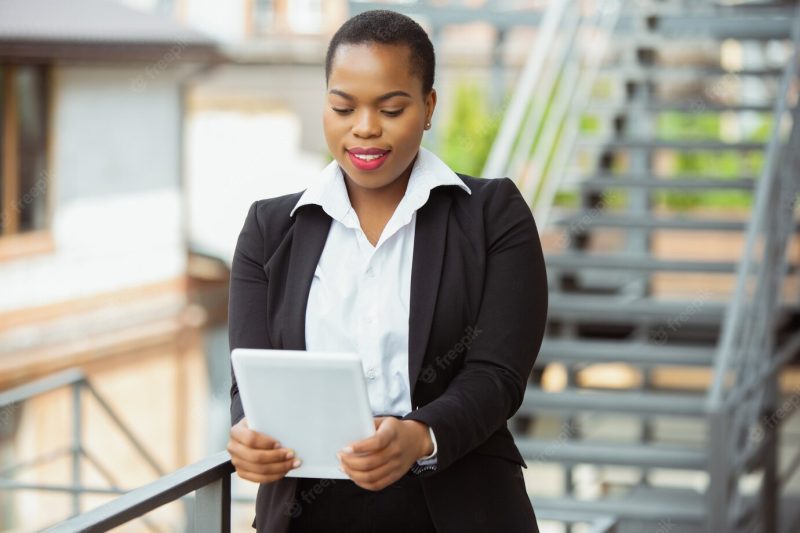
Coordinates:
column 718, row 470
column 77, row 431
column 212, row 507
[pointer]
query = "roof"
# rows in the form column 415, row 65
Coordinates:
column 95, row 29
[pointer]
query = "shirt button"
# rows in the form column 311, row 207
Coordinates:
column 370, row 319
column 371, row 373
column 370, row 273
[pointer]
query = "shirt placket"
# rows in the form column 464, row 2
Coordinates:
column 368, row 306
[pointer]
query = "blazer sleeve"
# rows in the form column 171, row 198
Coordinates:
column 247, row 307
column 489, row 387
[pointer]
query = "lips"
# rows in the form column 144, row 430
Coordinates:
column 376, row 157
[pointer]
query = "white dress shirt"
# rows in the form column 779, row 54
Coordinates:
column 360, row 294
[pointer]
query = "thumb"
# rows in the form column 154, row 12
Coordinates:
column 378, row 421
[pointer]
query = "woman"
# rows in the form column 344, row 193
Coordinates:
column 435, row 278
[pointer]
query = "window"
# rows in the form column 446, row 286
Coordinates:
column 24, row 180
column 264, row 16
column 24, row 122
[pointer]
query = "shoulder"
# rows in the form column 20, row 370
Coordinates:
column 276, row 207
column 274, row 212
column 491, row 195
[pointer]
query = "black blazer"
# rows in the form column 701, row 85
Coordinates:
column 478, row 307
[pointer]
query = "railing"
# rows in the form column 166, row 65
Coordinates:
column 209, row 479
column 208, row 509
column 534, row 144
column 537, row 135
column 744, row 391
column 77, row 382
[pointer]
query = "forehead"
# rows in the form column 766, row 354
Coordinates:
column 373, row 68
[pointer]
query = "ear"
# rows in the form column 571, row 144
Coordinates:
column 430, row 105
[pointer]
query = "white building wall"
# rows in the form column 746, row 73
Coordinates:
column 117, row 220
column 235, row 157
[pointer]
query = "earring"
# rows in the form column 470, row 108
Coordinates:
column 428, row 126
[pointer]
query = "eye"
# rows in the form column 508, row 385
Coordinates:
column 392, row 113
column 341, row 111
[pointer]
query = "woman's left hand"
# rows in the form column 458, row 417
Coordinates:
column 378, row 461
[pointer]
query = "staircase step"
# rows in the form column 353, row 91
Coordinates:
column 597, row 523
column 639, row 403
column 678, row 144
column 579, row 261
column 603, row 182
column 691, row 73
column 611, row 453
column 616, row 309
column 650, row 222
column 645, row 503
column 605, row 351
column 664, row 106
column 575, row 262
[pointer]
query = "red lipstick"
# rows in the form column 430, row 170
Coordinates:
column 375, row 157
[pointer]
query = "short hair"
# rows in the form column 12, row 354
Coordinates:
column 387, row 27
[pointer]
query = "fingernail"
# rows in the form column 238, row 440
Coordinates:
column 340, row 468
column 277, row 445
column 296, row 463
column 290, row 454
column 347, row 449
column 339, row 456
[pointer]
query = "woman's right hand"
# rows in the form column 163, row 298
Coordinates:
column 258, row 457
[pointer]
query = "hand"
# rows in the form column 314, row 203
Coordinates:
column 258, row 457
column 378, row 461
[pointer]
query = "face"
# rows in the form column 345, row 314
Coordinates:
column 375, row 113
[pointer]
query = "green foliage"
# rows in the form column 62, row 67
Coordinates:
column 469, row 131
column 471, row 127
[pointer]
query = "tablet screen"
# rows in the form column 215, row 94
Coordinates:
column 313, row 402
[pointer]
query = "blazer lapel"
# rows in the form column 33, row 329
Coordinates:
column 310, row 233
column 426, row 270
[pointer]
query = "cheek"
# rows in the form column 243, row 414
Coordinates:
column 333, row 127
column 407, row 133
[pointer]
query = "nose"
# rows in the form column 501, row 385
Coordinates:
column 367, row 125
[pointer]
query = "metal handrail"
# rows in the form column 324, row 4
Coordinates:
column 77, row 380
column 735, row 312
column 606, row 18
column 746, row 350
column 520, row 100
column 528, row 139
column 209, row 478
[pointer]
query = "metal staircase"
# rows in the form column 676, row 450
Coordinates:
column 665, row 456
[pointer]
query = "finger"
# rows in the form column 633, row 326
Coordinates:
column 265, row 468
column 372, row 444
column 251, row 438
column 377, row 479
column 239, row 450
column 256, row 478
column 363, row 463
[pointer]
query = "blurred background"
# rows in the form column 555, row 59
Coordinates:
column 655, row 141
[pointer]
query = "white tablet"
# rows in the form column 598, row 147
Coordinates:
column 313, row 402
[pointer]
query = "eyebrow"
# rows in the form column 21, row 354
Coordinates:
column 380, row 98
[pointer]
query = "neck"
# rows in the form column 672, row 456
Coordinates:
column 378, row 201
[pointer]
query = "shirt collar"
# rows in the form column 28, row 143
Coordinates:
column 428, row 172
